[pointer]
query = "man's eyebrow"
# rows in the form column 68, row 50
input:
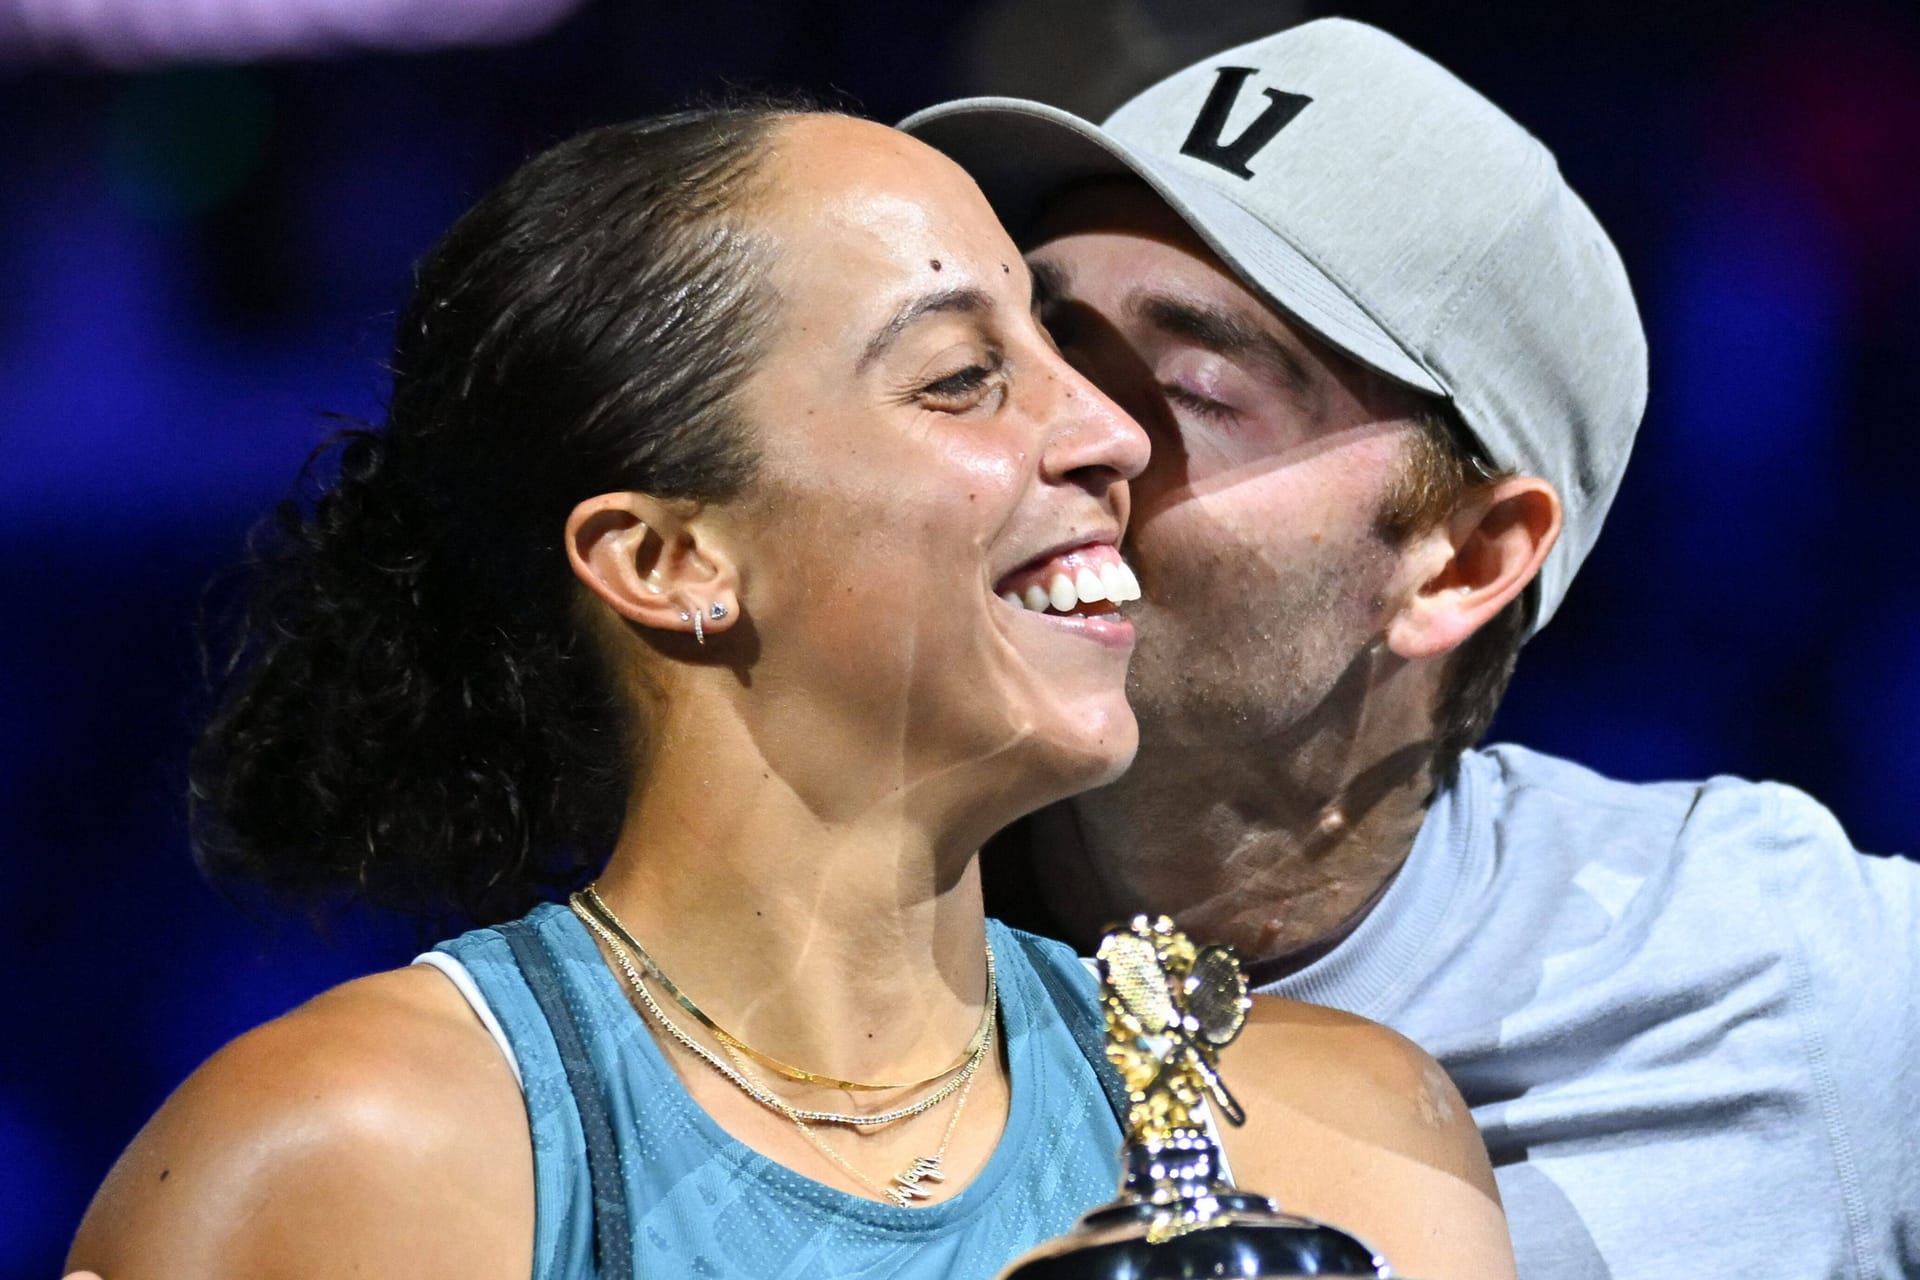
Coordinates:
column 964, row 299
column 1049, row 282
column 1224, row 333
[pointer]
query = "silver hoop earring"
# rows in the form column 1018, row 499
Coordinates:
column 699, row 630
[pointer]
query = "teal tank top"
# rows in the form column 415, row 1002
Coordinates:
column 693, row 1201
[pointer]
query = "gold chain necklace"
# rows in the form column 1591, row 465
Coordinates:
column 598, row 905
column 907, row 1187
column 625, row 963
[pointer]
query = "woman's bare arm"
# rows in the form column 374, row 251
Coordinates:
column 1355, row 1125
column 374, row 1131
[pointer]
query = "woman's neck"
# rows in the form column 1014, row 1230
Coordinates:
column 852, row 946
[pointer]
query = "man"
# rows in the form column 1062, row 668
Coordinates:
column 1393, row 370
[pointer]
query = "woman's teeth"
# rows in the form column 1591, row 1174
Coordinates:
column 1064, row 592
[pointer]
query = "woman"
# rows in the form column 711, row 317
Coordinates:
column 733, row 515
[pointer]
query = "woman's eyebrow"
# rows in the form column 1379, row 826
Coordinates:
column 1226, row 334
column 964, row 299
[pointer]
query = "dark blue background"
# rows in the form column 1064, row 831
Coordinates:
column 196, row 263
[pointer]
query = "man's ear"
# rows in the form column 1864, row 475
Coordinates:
column 653, row 562
column 1474, row 564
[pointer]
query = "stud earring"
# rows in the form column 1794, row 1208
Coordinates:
column 719, row 611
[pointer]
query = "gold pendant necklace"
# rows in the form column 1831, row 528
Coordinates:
column 961, row 1080
column 908, row 1187
column 589, row 900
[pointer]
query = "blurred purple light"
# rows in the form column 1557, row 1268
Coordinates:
column 1833, row 105
column 131, row 33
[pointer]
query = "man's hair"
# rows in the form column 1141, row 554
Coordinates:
column 1440, row 465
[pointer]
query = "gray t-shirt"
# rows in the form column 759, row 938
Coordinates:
column 1683, row 1015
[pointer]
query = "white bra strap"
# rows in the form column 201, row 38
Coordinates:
column 463, row 982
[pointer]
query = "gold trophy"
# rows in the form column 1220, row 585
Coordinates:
column 1171, row 1008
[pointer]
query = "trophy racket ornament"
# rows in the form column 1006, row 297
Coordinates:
column 1170, row 1009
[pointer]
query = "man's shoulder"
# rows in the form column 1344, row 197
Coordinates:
column 1527, row 794
column 1520, row 776
column 1712, row 873
column 1718, row 878
column 1720, row 943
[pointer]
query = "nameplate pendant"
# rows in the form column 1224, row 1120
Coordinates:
column 907, row 1186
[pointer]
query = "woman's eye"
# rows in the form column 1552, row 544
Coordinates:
column 962, row 389
column 1197, row 404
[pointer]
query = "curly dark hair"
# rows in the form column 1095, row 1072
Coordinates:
column 408, row 711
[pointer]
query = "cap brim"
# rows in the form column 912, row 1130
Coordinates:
column 1021, row 152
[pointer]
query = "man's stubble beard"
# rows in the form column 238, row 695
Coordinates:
column 1252, row 691
column 1237, row 655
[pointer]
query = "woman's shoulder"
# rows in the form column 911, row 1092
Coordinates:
column 327, row 1142
column 1365, row 1077
column 1352, row 1123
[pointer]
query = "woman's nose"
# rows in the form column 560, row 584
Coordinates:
column 1091, row 431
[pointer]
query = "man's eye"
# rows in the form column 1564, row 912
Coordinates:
column 1193, row 402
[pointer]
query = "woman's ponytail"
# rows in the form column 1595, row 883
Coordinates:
column 408, row 712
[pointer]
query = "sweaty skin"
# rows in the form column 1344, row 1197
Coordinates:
column 896, row 711
column 801, row 849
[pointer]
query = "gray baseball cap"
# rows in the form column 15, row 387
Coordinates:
column 1367, row 192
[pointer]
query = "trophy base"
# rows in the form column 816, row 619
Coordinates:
column 1247, row 1238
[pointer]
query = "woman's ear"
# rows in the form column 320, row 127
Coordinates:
column 1475, row 563
column 654, row 563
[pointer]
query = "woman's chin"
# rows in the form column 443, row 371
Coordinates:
column 1037, row 752
column 1087, row 751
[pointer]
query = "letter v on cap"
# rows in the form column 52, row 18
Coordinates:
column 1205, row 141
